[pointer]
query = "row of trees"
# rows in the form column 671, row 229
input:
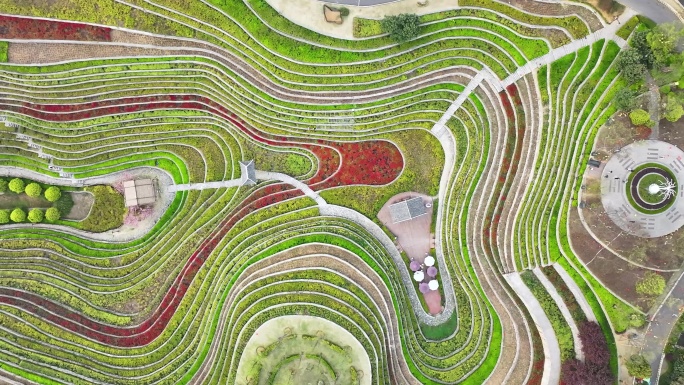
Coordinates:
column 33, row 189
column 18, row 215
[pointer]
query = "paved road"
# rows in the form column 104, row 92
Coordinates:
column 552, row 364
column 655, row 10
column 660, row 327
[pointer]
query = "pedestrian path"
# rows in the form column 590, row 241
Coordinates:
column 261, row 175
column 607, row 33
column 552, row 363
column 388, row 244
column 205, row 185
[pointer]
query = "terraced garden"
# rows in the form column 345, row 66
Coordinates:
column 491, row 110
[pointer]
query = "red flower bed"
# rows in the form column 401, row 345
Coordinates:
column 368, row 162
column 12, row 27
column 509, row 165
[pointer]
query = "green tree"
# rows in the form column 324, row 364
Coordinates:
column 652, row 284
column 53, row 193
column 3, row 185
column 18, row 215
column 630, row 63
column 639, row 42
column 16, row 185
column 4, row 216
column 663, row 40
column 33, row 190
column 52, row 214
column 673, row 108
column 640, row 117
column 35, row 215
column 401, row 28
column 625, row 99
column 638, row 367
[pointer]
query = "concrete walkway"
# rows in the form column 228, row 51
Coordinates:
column 661, row 325
column 552, row 363
column 261, row 175
column 607, row 33
column 381, row 236
column 125, row 233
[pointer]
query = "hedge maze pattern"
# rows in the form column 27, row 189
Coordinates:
column 193, row 87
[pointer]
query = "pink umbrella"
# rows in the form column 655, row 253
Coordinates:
column 423, row 287
column 414, row 265
column 432, row 271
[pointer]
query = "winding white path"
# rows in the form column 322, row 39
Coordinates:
column 607, row 33
column 552, row 363
column 261, row 175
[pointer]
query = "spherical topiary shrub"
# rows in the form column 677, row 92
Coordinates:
column 18, row 215
column 35, row 215
column 52, row 214
column 33, row 190
column 3, row 185
column 52, row 193
column 4, row 216
column 16, row 185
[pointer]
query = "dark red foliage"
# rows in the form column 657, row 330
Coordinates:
column 372, row 162
column 509, row 164
column 594, row 345
column 12, row 27
column 642, row 133
column 576, row 372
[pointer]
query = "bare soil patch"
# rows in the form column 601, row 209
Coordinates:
column 83, row 202
column 9, row 201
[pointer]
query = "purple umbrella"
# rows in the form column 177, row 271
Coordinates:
column 414, row 265
column 423, row 287
column 432, row 271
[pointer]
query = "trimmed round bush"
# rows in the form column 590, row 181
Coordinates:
column 53, row 193
column 35, row 215
column 4, row 216
column 18, row 215
column 52, row 214
column 640, row 117
column 344, row 11
column 33, row 190
column 16, row 185
column 3, row 185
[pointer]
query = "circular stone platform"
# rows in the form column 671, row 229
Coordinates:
column 633, row 185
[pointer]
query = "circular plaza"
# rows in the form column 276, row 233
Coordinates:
column 641, row 190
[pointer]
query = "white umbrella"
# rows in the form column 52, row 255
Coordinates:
column 433, row 285
column 429, row 260
column 418, row 276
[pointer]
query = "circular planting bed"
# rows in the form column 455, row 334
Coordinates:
column 303, row 350
column 640, row 188
column 652, row 188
